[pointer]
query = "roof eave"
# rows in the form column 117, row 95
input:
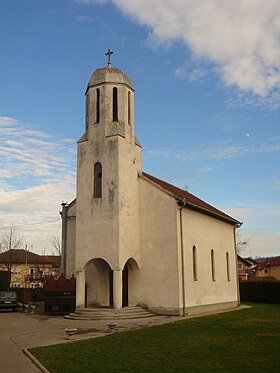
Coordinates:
column 192, row 206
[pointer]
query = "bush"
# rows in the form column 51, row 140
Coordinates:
column 260, row 291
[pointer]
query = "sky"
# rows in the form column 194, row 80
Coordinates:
column 206, row 75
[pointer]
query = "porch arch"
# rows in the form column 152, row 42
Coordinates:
column 129, row 274
column 98, row 283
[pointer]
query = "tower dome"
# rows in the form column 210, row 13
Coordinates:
column 109, row 75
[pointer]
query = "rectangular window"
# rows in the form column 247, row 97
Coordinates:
column 194, row 264
column 213, row 265
column 115, row 104
column 97, row 192
column 97, row 119
column 128, row 109
column 227, row 264
column 87, row 110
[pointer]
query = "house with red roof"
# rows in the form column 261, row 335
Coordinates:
column 27, row 269
column 130, row 238
column 246, row 268
column 269, row 267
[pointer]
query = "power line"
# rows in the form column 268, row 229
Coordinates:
column 31, row 224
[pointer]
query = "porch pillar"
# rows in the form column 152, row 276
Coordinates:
column 117, row 289
column 80, row 289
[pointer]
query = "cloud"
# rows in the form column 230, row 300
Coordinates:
column 180, row 73
column 37, row 173
column 214, row 151
column 197, row 74
column 239, row 38
column 241, row 212
column 262, row 244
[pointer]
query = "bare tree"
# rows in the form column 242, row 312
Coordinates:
column 56, row 243
column 11, row 239
column 241, row 243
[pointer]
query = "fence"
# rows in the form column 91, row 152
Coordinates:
column 260, row 291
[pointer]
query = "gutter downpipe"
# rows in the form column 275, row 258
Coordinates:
column 63, row 214
column 181, row 205
column 235, row 248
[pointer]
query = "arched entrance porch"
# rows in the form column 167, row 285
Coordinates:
column 98, row 283
column 128, row 278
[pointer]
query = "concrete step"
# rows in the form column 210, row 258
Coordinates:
column 109, row 314
column 104, row 311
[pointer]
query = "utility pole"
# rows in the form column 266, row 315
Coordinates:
column 63, row 214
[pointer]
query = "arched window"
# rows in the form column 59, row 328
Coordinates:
column 213, row 265
column 128, row 109
column 97, row 108
column 115, row 104
column 97, row 193
column 227, row 264
column 194, row 263
column 87, row 110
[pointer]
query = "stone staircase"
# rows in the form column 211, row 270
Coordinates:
column 99, row 313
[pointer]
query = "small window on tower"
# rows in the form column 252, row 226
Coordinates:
column 97, row 193
column 97, row 114
column 115, row 104
column 87, row 110
column 128, row 109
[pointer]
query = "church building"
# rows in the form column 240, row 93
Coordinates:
column 130, row 238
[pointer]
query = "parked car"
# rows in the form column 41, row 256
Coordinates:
column 8, row 300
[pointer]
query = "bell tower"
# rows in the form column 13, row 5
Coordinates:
column 109, row 159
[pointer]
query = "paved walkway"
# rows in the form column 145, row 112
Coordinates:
column 22, row 331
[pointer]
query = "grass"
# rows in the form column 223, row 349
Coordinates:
column 244, row 341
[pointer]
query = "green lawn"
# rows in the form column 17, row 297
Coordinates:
column 242, row 341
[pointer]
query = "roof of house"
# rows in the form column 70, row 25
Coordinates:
column 274, row 261
column 23, row 256
column 245, row 261
column 191, row 201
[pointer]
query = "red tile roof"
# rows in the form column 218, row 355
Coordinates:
column 274, row 261
column 191, row 200
column 24, row 256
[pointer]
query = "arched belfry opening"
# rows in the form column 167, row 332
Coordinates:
column 115, row 104
column 98, row 283
column 129, row 273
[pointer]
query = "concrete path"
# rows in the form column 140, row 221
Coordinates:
column 20, row 331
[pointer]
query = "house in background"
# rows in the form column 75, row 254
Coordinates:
column 243, row 268
column 269, row 267
column 27, row 269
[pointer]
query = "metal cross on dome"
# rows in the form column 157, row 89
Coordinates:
column 109, row 57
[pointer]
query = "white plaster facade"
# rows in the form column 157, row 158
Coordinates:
column 132, row 239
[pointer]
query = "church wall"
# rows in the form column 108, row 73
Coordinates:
column 128, row 203
column 207, row 233
column 156, row 284
column 70, row 240
column 97, row 218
